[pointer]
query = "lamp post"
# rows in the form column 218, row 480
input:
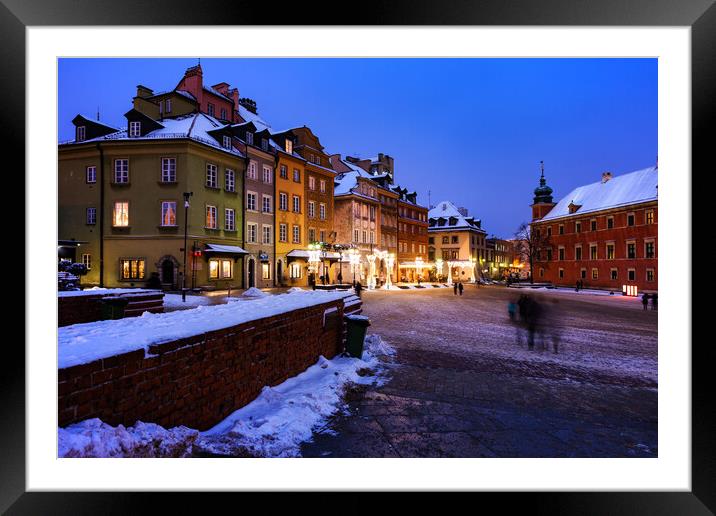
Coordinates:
column 354, row 258
column 439, row 267
column 186, row 227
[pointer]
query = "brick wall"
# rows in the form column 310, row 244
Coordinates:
column 198, row 381
column 88, row 308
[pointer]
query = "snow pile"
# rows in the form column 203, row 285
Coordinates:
column 273, row 425
column 174, row 301
column 254, row 292
column 83, row 343
column 295, row 289
column 93, row 438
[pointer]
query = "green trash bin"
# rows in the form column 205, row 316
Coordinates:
column 357, row 326
column 113, row 307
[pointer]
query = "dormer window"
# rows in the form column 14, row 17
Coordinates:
column 80, row 133
column 135, row 129
column 264, row 144
column 227, row 142
column 249, row 138
column 223, row 113
column 210, row 109
column 168, row 106
column 289, row 146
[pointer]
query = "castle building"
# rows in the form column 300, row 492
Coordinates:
column 603, row 234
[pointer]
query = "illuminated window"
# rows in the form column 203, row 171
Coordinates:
column 169, row 170
column 87, row 261
column 120, row 216
column 169, row 213
column 649, row 216
column 610, row 251
column 595, row 273
column 131, row 268
column 211, row 217
column 311, row 183
column 289, row 146
column 121, row 171
column 294, row 270
column 265, row 271
column 221, row 269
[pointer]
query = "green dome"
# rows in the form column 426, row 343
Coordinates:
column 543, row 193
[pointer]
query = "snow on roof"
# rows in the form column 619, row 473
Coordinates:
column 84, row 343
column 185, row 94
column 447, row 210
column 259, row 122
column 346, row 181
column 631, row 188
column 216, row 92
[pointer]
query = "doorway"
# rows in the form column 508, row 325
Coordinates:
column 252, row 273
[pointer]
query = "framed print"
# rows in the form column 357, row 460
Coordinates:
column 419, row 251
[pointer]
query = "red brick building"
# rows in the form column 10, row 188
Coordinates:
column 412, row 237
column 604, row 234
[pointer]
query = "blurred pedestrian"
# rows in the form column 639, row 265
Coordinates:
column 645, row 300
column 653, row 301
column 454, row 288
column 460, row 287
column 358, row 288
column 549, row 325
column 530, row 315
column 511, row 309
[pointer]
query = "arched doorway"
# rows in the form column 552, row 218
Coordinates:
column 168, row 268
column 252, row 273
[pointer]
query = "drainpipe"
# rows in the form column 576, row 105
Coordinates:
column 101, row 215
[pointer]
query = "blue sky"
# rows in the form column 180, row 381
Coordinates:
column 472, row 131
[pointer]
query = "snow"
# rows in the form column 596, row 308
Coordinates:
column 109, row 291
column 631, row 188
column 175, row 301
column 254, row 292
column 83, row 343
column 446, row 210
column 275, row 424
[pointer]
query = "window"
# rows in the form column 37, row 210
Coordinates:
column 294, row 270
column 595, row 273
column 446, row 240
column 249, row 138
column 296, row 234
column 630, row 219
column 561, row 253
column 549, row 231
column 121, row 171
column 561, row 273
column 593, row 224
column 649, row 217
column 169, row 170
column 296, row 204
column 80, row 133
column 221, row 269
column 265, row 271
column 91, row 216
column 135, row 129
column 577, row 227
column 229, row 180
column 168, row 106
column 356, row 235
column 322, row 211
column 583, row 273
column 251, row 232
column 454, row 239
column 210, row 109
column 87, row 261
column 610, row 251
column 264, row 144
column 613, row 274
column 289, row 146
column 226, row 142
column 266, row 234
column 610, row 222
column 631, row 250
column 91, row 175
column 311, row 183
column 223, row 113
column 120, row 217
column 578, row 252
column 268, row 174
column 296, row 175
column 283, row 172
column 649, row 274
column 311, row 235
column 282, row 233
column 212, row 176
column 323, row 235
column 631, row 273
column 649, row 249
column 266, row 203
column 549, row 255
column 229, row 219
column 311, row 209
column 131, row 268
column 169, row 213
column 283, row 201
column 251, row 172
column 251, row 201
column 593, row 252
column 322, row 185
column 211, row 217
column 561, row 229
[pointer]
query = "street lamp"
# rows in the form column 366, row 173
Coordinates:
column 354, row 258
column 186, row 227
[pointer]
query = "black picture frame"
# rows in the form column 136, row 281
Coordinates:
column 700, row 15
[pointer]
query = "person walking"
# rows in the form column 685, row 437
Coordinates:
column 645, row 300
column 454, row 288
column 358, row 288
column 653, row 302
column 460, row 287
column 511, row 309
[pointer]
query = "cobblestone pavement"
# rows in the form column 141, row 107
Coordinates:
column 462, row 386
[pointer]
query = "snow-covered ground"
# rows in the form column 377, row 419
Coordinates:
column 108, row 291
column 175, row 301
column 83, row 343
column 273, row 425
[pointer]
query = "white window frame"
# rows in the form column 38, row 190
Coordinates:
column 87, row 261
column 91, row 174
column 229, row 219
column 124, row 223
column 226, row 142
column 322, row 211
column 283, row 232
column 91, row 216
column 296, row 203
column 169, row 170
column 135, row 129
column 289, row 146
column 311, row 209
column 211, row 214
column 266, row 203
column 267, row 175
column 296, row 234
column 249, row 138
column 252, row 232
column 283, row 201
column 252, row 170
column 167, row 204
column 229, row 180
column 121, row 171
column 212, row 175
column 266, row 233
column 168, row 106
column 311, row 183
column 81, row 133
column 251, row 201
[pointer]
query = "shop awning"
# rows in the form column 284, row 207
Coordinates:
column 224, row 249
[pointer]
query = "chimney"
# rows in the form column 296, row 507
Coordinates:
column 462, row 211
column 249, row 104
column 144, row 92
column 606, row 176
column 222, row 88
